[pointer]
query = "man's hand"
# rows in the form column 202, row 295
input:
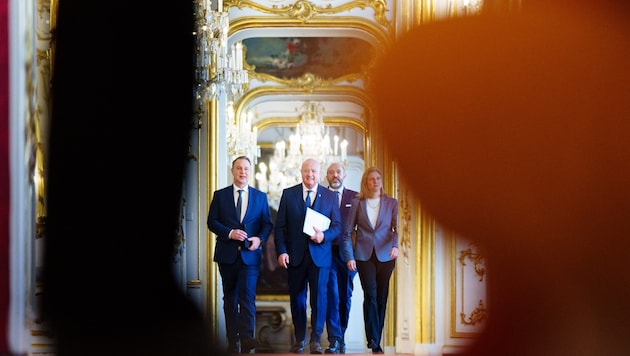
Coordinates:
column 255, row 242
column 237, row 234
column 318, row 237
column 283, row 260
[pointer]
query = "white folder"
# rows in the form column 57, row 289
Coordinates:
column 317, row 219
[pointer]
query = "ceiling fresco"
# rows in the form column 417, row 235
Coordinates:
column 292, row 57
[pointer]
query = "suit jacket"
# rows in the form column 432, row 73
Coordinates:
column 380, row 238
column 222, row 218
column 289, row 236
column 347, row 201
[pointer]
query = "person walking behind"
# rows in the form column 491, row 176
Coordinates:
column 307, row 258
column 239, row 216
column 375, row 218
column 340, row 282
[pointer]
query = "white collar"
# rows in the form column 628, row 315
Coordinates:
column 305, row 189
column 340, row 190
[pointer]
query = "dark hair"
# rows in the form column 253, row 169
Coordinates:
column 241, row 157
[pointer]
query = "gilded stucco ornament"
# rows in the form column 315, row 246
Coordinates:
column 479, row 314
column 306, row 10
column 479, row 262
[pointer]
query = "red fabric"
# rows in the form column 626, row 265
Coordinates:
column 4, row 176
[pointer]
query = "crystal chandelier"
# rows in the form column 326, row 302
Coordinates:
column 219, row 69
column 311, row 139
column 472, row 7
column 242, row 138
column 219, row 74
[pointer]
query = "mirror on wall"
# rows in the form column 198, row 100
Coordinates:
column 284, row 144
column 292, row 57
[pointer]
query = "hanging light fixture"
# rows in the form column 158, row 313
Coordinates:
column 219, row 67
column 219, row 73
column 242, row 137
column 310, row 139
column 472, row 7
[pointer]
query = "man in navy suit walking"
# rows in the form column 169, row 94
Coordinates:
column 239, row 216
column 340, row 283
column 308, row 259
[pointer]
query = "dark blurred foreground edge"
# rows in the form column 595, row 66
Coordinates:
column 122, row 106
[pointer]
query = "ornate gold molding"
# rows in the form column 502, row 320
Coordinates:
column 479, row 262
column 479, row 314
column 305, row 11
column 467, row 287
column 405, row 217
column 308, row 81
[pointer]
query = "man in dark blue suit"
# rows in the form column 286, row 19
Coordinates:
column 308, row 259
column 341, row 280
column 239, row 216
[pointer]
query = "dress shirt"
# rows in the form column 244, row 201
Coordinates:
column 313, row 193
column 339, row 194
column 244, row 198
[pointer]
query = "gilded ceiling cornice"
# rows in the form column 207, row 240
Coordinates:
column 380, row 36
column 305, row 11
column 337, row 121
column 308, row 82
column 348, row 94
column 340, row 93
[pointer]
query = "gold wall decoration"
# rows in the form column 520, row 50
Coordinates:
column 479, row 262
column 479, row 314
column 304, row 11
column 469, row 289
column 405, row 218
column 307, row 82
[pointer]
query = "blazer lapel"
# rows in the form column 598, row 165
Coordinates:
column 363, row 210
column 381, row 211
column 249, row 203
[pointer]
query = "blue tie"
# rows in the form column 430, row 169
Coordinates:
column 308, row 197
column 239, row 204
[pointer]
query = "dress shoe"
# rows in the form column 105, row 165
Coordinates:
column 233, row 349
column 342, row 348
column 297, row 348
column 334, row 347
column 247, row 345
column 377, row 350
column 316, row 348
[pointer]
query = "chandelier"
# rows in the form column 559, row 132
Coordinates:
column 242, row 138
column 472, row 7
column 311, row 139
column 219, row 67
column 219, row 74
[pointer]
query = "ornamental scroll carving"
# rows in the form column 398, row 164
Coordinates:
column 477, row 316
column 471, row 288
column 404, row 214
column 305, row 10
column 476, row 258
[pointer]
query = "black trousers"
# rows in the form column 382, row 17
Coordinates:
column 374, row 276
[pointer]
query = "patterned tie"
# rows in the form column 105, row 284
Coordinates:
column 308, row 197
column 239, row 204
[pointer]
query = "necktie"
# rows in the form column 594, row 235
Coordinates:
column 239, row 204
column 308, row 198
column 338, row 197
